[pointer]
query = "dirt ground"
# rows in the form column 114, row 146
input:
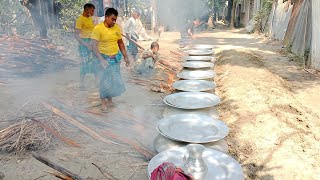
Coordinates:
column 270, row 105
column 268, row 101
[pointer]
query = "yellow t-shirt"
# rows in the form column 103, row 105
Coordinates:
column 86, row 25
column 108, row 38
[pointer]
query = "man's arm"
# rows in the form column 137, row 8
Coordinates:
column 78, row 27
column 190, row 30
column 191, row 34
column 147, row 55
column 96, row 50
column 127, row 26
column 79, row 39
column 123, row 51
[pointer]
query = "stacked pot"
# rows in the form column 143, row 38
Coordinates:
column 191, row 136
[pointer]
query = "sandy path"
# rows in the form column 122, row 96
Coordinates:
column 269, row 103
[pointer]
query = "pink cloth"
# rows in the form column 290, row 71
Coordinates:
column 168, row 171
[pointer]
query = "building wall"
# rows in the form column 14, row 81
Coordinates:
column 280, row 17
column 293, row 21
column 301, row 37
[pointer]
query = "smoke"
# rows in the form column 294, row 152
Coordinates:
column 174, row 14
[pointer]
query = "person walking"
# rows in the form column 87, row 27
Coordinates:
column 130, row 29
column 109, row 48
column 83, row 30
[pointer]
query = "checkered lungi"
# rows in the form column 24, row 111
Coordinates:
column 111, row 83
column 88, row 63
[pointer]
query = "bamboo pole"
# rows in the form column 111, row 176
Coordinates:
column 134, row 42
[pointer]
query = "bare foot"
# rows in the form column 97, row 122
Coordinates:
column 104, row 109
column 104, row 105
column 109, row 102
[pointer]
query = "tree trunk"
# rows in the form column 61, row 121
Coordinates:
column 36, row 16
column 126, row 9
column 223, row 14
column 230, row 2
column 216, row 7
column 233, row 14
column 216, row 13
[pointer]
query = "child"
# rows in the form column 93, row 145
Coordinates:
column 145, row 66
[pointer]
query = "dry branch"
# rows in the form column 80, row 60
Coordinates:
column 57, row 167
column 134, row 172
column 59, row 175
column 105, row 174
column 23, row 136
column 79, row 125
column 56, row 134
column 148, row 155
column 94, row 113
column 176, row 53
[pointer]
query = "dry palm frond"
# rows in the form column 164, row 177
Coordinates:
column 24, row 134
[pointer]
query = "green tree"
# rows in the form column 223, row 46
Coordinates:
column 69, row 12
column 262, row 16
column 216, row 6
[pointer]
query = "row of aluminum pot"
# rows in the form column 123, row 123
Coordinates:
column 191, row 135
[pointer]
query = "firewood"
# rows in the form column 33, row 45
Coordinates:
column 56, row 134
column 56, row 167
column 59, row 175
column 148, row 155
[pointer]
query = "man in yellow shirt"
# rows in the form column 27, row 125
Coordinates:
column 83, row 31
column 106, row 43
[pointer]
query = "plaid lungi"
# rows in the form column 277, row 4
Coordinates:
column 132, row 47
column 111, row 83
column 88, row 63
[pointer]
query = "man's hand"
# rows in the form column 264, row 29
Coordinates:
column 154, row 56
column 104, row 63
column 89, row 47
column 127, row 61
